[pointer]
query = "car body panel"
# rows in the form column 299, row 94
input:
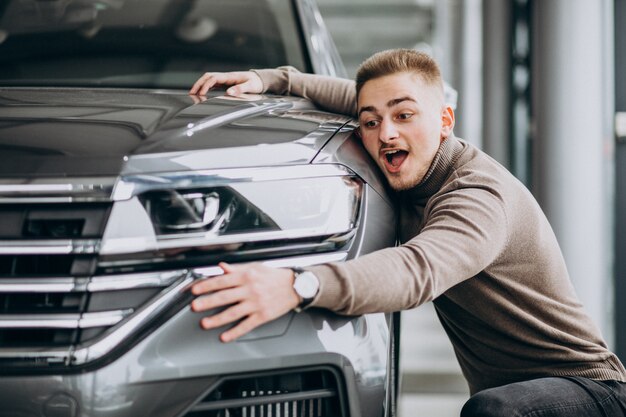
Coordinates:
column 71, row 132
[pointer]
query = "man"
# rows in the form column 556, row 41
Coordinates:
column 475, row 242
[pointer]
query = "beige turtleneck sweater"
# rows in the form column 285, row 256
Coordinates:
column 476, row 243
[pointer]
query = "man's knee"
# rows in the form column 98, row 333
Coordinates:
column 488, row 403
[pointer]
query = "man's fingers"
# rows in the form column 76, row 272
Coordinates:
column 229, row 315
column 218, row 299
column 211, row 79
column 237, row 268
column 245, row 326
column 220, row 282
column 233, row 276
column 210, row 82
column 200, row 83
column 227, row 268
column 241, row 82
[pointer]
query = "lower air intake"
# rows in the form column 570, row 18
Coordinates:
column 313, row 393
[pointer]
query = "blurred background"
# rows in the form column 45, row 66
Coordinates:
column 542, row 89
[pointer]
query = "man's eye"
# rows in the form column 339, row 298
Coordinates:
column 371, row 123
column 404, row 116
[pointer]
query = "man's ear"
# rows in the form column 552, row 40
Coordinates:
column 447, row 121
column 357, row 132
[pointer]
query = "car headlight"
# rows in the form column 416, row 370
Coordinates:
column 212, row 211
column 229, row 208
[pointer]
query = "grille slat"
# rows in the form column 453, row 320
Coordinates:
column 49, row 246
column 35, row 285
column 62, row 321
column 266, row 399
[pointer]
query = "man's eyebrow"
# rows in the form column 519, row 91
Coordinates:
column 396, row 101
column 390, row 103
column 367, row 108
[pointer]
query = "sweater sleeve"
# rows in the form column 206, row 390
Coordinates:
column 464, row 233
column 332, row 94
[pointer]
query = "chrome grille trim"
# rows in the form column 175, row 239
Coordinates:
column 40, row 285
column 50, row 200
column 93, row 284
column 49, row 247
column 59, row 354
column 63, row 321
column 129, row 281
column 56, row 190
column 143, row 315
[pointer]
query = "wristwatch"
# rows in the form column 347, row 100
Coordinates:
column 306, row 285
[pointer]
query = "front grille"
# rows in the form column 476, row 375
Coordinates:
column 52, row 300
column 307, row 393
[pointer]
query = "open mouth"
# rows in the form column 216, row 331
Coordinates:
column 395, row 158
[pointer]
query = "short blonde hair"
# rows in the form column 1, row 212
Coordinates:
column 393, row 61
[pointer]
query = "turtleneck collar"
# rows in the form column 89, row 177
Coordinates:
column 446, row 156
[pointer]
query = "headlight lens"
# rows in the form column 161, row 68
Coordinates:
column 217, row 211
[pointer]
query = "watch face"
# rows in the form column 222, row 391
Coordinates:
column 306, row 285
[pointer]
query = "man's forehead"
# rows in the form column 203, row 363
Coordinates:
column 392, row 89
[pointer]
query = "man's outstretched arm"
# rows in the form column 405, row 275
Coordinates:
column 463, row 235
column 336, row 95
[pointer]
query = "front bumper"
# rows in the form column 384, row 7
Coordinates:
column 179, row 364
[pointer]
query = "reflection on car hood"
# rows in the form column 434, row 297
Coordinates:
column 70, row 132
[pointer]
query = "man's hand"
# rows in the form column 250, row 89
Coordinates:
column 253, row 292
column 241, row 81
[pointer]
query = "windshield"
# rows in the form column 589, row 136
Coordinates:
column 142, row 43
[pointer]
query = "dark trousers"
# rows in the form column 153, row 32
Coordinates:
column 550, row 397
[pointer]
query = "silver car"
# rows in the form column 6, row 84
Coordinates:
column 118, row 190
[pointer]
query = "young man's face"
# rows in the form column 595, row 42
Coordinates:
column 402, row 123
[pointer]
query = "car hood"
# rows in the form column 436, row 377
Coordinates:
column 90, row 132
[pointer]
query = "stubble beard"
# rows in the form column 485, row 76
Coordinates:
column 399, row 182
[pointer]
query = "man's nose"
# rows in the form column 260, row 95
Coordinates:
column 387, row 132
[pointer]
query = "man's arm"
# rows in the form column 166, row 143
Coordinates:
column 464, row 234
column 332, row 94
